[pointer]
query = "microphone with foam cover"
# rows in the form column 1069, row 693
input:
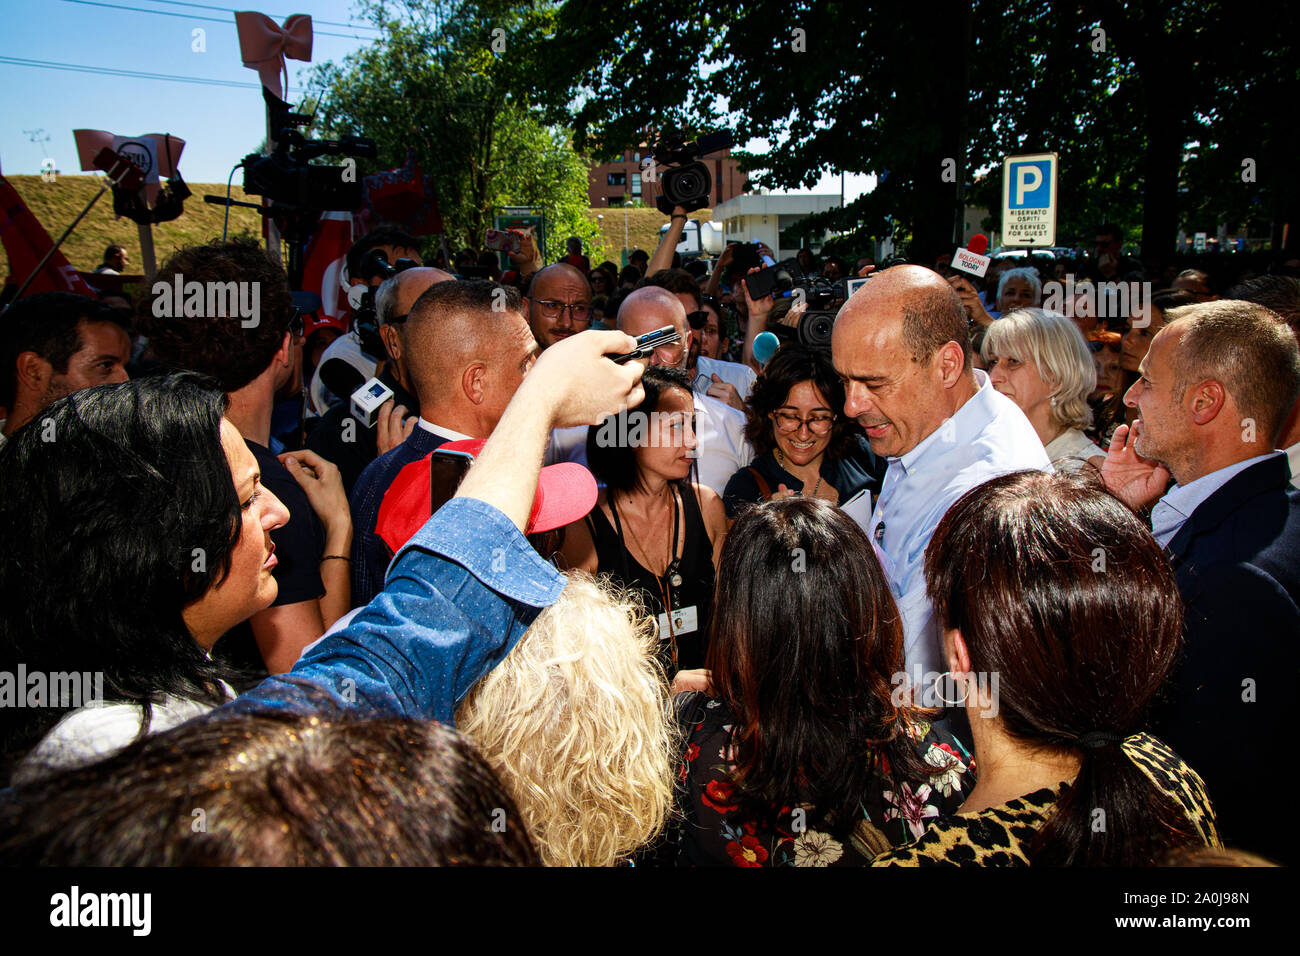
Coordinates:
column 765, row 346
column 979, row 244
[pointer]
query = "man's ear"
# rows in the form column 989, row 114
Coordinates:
column 473, row 382
column 33, row 372
column 392, row 340
column 1207, row 400
column 950, row 362
column 285, row 355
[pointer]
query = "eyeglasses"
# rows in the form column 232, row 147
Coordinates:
column 670, row 354
column 578, row 311
column 788, row 422
column 296, row 324
column 697, row 318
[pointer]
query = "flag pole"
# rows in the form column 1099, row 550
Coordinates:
column 54, row 248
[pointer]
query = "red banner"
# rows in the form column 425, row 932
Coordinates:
column 26, row 241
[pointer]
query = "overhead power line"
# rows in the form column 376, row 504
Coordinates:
column 130, row 74
column 273, row 16
column 191, row 17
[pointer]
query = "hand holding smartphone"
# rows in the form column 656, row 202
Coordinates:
column 646, row 344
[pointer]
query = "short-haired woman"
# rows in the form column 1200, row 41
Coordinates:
column 1039, row 360
column 574, row 721
column 808, row 750
column 802, row 442
column 1058, row 659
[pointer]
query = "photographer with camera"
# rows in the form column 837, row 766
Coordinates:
column 350, row 359
column 343, row 438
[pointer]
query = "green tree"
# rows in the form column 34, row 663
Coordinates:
column 445, row 78
column 1135, row 96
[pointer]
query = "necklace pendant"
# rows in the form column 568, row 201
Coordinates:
column 675, row 580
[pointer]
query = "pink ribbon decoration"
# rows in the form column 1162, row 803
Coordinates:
column 264, row 46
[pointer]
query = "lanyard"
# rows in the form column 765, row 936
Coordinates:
column 665, row 587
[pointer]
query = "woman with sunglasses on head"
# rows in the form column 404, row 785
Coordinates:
column 802, row 442
column 653, row 529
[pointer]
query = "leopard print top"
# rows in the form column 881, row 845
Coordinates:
column 1000, row 836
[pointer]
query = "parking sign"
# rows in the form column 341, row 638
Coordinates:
column 1029, row 200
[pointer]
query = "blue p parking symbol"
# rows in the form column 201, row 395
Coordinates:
column 1031, row 184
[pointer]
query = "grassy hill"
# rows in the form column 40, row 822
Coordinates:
column 642, row 227
column 56, row 204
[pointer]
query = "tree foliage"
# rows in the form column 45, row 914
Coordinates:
column 1141, row 99
column 445, row 79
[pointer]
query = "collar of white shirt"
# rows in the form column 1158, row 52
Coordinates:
column 1172, row 511
column 964, row 424
column 441, row 432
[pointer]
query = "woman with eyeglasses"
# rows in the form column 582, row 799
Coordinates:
column 803, row 443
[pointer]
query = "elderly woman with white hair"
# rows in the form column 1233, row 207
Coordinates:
column 1040, row 361
column 1019, row 288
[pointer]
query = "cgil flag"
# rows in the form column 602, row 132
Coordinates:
column 324, row 263
column 26, row 241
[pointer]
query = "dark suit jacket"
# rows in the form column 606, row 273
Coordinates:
column 1228, row 708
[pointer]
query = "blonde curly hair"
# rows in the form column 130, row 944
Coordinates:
column 576, row 722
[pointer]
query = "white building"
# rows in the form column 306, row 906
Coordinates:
column 765, row 217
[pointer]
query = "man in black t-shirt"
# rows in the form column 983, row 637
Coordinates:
column 242, row 337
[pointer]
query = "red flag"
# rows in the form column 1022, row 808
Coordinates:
column 324, row 261
column 26, row 241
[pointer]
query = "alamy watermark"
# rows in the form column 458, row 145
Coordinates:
column 64, row 689
column 643, row 430
column 933, row 689
column 1100, row 300
column 191, row 300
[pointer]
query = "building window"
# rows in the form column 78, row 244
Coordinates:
column 636, row 157
column 636, row 184
column 616, row 179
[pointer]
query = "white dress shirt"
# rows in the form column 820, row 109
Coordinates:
column 741, row 377
column 446, row 434
column 1172, row 511
column 723, row 450
column 987, row 437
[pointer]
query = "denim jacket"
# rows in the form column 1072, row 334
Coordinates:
column 458, row 596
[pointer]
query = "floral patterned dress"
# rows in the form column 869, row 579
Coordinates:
column 709, row 830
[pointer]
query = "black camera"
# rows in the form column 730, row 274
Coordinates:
column 688, row 183
column 790, row 284
column 365, row 322
column 286, row 177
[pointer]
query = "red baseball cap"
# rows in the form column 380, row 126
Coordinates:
column 565, row 493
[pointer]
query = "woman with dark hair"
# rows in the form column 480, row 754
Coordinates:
column 653, row 529
column 273, row 790
column 134, row 540
column 802, row 442
column 811, row 752
column 1060, row 643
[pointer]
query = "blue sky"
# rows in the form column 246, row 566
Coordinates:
column 219, row 124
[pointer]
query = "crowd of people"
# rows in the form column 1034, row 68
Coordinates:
column 948, row 590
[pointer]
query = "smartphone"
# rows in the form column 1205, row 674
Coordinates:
column 446, row 470
column 501, row 240
column 646, row 344
column 763, row 256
